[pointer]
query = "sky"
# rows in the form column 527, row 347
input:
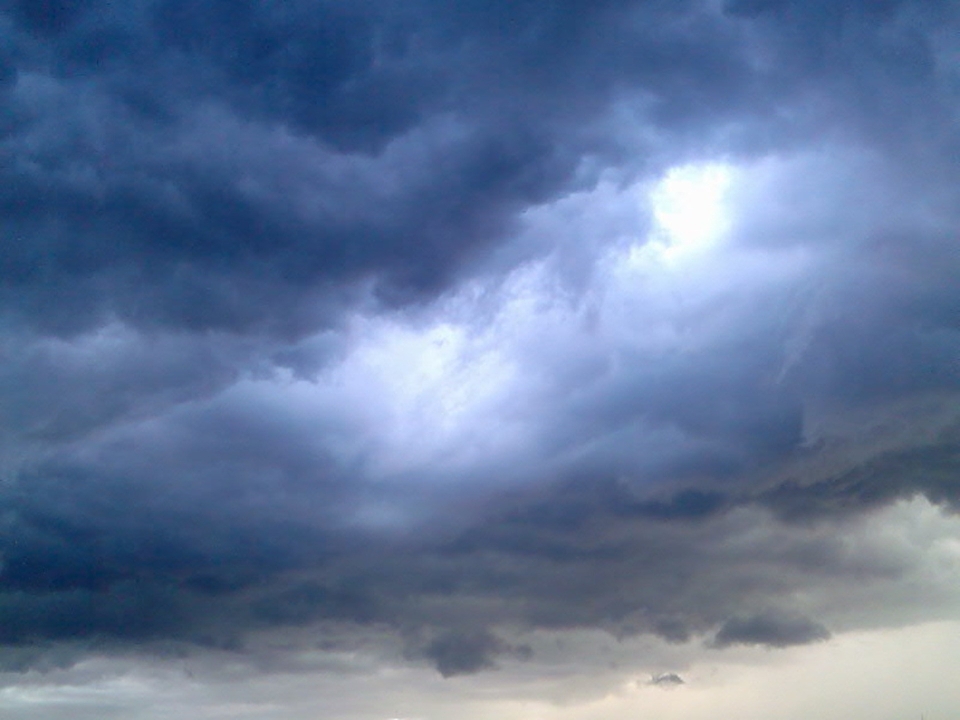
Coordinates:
column 529, row 360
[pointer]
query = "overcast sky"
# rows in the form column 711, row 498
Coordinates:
column 527, row 359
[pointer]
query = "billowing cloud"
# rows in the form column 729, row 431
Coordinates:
column 458, row 327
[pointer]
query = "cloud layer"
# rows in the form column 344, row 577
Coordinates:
column 399, row 319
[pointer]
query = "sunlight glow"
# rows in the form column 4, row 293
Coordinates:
column 689, row 208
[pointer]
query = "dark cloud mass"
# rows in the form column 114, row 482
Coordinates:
column 360, row 314
column 769, row 630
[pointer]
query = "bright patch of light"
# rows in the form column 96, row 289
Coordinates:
column 428, row 393
column 689, row 208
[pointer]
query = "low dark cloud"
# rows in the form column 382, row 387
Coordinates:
column 894, row 475
column 770, row 630
column 462, row 653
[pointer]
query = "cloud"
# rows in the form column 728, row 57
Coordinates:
column 456, row 654
column 203, row 166
column 770, row 630
column 370, row 317
column 668, row 679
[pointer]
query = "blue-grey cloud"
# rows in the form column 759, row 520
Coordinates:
column 323, row 312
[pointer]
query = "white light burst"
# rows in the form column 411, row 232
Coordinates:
column 689, row 208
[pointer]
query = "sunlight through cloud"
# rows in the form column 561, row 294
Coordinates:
column 689, row 207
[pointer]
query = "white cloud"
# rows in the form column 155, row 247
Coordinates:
column 690, row 209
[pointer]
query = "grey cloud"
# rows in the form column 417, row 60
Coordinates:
column 190, row 191
column 56, row 391
column 213, row 559
column 457, row 654
column 771, row 630
column 929, row 470
column 142, row 216
column 668, row 679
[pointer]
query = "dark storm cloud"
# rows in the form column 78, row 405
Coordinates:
column 188, row 190
column 125, row 196
column 931, row 471
column 770, row 630
column 204, row 551
column 458, row 654
column 210, row 164
column 218, row 165
column 56, row 391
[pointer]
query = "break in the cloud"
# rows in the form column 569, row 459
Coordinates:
column 435, row 334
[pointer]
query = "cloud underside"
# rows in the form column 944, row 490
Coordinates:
column 363, row 315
